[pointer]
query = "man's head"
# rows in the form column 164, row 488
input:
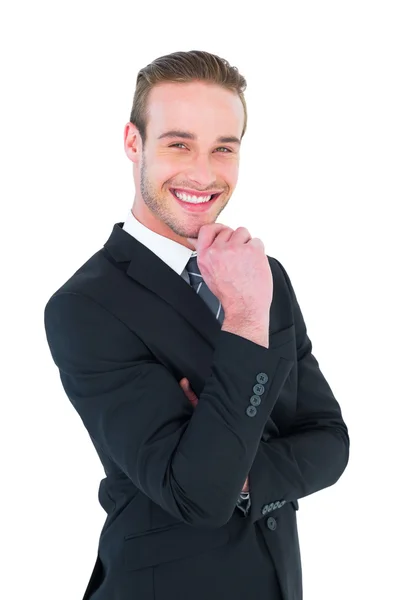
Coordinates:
column 197, row 99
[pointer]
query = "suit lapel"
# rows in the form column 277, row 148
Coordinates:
column 147, row 269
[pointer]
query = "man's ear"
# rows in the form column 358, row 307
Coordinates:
column 132, row 143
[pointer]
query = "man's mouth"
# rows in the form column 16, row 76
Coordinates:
column 194, row 204
column 194, row 198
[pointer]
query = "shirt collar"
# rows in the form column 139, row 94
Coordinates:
column 174, row 254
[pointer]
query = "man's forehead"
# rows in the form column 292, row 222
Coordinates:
column 168, row 97
column 175, row 109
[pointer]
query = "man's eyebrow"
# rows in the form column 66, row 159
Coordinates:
column 228, row 139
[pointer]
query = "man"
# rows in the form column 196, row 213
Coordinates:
column 183, row 348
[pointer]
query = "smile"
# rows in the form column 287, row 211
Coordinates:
column 193, row 203
column 193, row 198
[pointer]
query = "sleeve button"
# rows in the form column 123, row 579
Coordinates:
column 255, row 400
column 251, row 411
column 258, row 389
column 262, row 378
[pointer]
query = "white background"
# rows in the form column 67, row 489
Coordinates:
column 319, row 184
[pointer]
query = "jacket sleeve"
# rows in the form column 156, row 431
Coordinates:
column 192, row 463
column 315, row 453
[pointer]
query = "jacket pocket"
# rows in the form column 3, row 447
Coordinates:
column 169, row 543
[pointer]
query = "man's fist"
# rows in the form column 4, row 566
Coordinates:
column 236, row 269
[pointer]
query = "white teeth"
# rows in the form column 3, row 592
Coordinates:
column 192, row 199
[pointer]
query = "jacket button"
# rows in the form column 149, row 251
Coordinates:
column 255, row 400
column 251, row 411
column 276, row 505
column 258, row 389
column 271, row 523
column 264, row 509
column 262, row 378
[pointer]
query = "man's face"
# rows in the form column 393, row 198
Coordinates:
column 175, row 162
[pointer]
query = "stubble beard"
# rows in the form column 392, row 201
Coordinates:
column 157, row 205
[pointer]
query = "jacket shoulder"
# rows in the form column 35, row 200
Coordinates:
column 95, row 270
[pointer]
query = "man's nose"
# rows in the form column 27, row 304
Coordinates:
column 201, row 171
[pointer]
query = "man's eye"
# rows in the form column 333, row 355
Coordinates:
column 180, row 144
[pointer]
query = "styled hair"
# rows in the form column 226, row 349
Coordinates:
column 184, row 67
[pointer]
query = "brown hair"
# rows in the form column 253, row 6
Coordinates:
column 184, row 67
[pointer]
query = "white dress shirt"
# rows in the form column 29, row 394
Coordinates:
column 176, row 256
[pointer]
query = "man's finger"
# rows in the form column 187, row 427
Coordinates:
column 185, row 385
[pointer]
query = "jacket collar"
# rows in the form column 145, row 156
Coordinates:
column 147, row 269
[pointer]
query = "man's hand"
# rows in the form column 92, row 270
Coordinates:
column 236, row 270
column 185, row 385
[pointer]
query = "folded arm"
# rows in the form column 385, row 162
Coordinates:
column 193, row 465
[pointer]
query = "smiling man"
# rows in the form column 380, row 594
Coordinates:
column 209, row 427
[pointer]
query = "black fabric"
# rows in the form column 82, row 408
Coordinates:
column 123, row 331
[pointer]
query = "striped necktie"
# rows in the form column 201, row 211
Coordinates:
column 198, row 284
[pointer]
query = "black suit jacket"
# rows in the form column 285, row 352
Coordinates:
column 123, row 331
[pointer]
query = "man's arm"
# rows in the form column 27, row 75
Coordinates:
column 315, row 453
column 137, row 414
column 244, row 501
